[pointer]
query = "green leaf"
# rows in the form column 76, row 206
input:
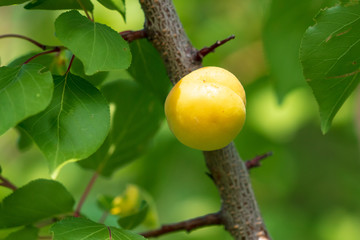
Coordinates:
column 104, row 202
column 39, row 199
column 96, row 79
column 28, row 233
column 147, row 68
column 24, row 141
column 55, row 63
column 133, row 220
column 99, row 47
column 136, row 118
column 330, row 55
column 80, row 228
column 11, row 2
column 60, row 4
column 282, row 37
column 118, row 5
column 73, row 126
column 24, row 91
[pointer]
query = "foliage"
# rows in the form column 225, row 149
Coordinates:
column 106, row 111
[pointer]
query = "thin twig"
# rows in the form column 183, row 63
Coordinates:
column 130, row 36
column 188, row 225
column 206, row 50
column 56, row 49
column 6, row 183
column 85, row 10
column 40, row 45
column 85, row 194
column 255, row 162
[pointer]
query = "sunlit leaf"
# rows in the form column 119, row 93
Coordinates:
column 330, row 55
column 147, row 68
column 118, row 5
column 136, row 118
column 35, row 201
column 28, row 233
column 73, row 126
column 60, row 4
column 24, row 91
column 80, row 228
column 99, row 47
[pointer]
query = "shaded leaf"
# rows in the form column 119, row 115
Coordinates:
column 80, row 228
column 282, row 32
column 55, row 63
column 96, row 79
column 136, row 118
column 73, row 126
column 24, row 141
column 11, row 2
column 330, row 55
column 28, row 233
column 147, row 68
column 24, row 91
column 118, row 5
column 133, row 220
column 99, row 47
column 59, row 4
column 35, row 201
column 104, row 202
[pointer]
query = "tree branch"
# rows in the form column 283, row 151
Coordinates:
column 239, row 213
column 56, row 49
column 40, row 45
column 85, row 194
column 130, row 36
column 188, row 225
column 206, row 50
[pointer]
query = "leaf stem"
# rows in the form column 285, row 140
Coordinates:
column 85, row 194
column 71, row 61
column 56, row 49
column 103, row 217
column 188, row 225
column 6, row 183
column 40, row 45
column 86, row 12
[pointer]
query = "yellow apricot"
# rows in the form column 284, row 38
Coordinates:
column 206, row 109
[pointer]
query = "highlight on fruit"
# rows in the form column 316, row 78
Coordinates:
column 206, row 109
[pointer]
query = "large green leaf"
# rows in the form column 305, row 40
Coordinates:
column 11, row 2
column 24, row 91
column 60, row 4
column 28, row 233
column 282, row 33
column 330, row 55
column 39, row 199
column 81, row 228
column 136, row 118
column 96, row 79
column 73, row 126
column 147, row 68
column 118, row 5
column 99, row 47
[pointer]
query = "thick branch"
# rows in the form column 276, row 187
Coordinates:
column 240, row 213
column 188, row 225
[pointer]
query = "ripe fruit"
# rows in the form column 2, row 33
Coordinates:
column 206, row 109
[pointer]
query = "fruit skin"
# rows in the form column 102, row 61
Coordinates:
column 206, row 109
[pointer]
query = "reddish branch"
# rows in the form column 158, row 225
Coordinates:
column 56, row 49
column 256, row 161
column 40, row 45
column 6, row 183
column 130, row 36
column 206, row 50
column 188, row 225
column 85, row 194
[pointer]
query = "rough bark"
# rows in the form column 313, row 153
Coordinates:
column 240, row 213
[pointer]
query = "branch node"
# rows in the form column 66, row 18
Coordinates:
column 206, row 50
column 130, row 36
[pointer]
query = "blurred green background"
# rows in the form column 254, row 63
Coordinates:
column 308, row 189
